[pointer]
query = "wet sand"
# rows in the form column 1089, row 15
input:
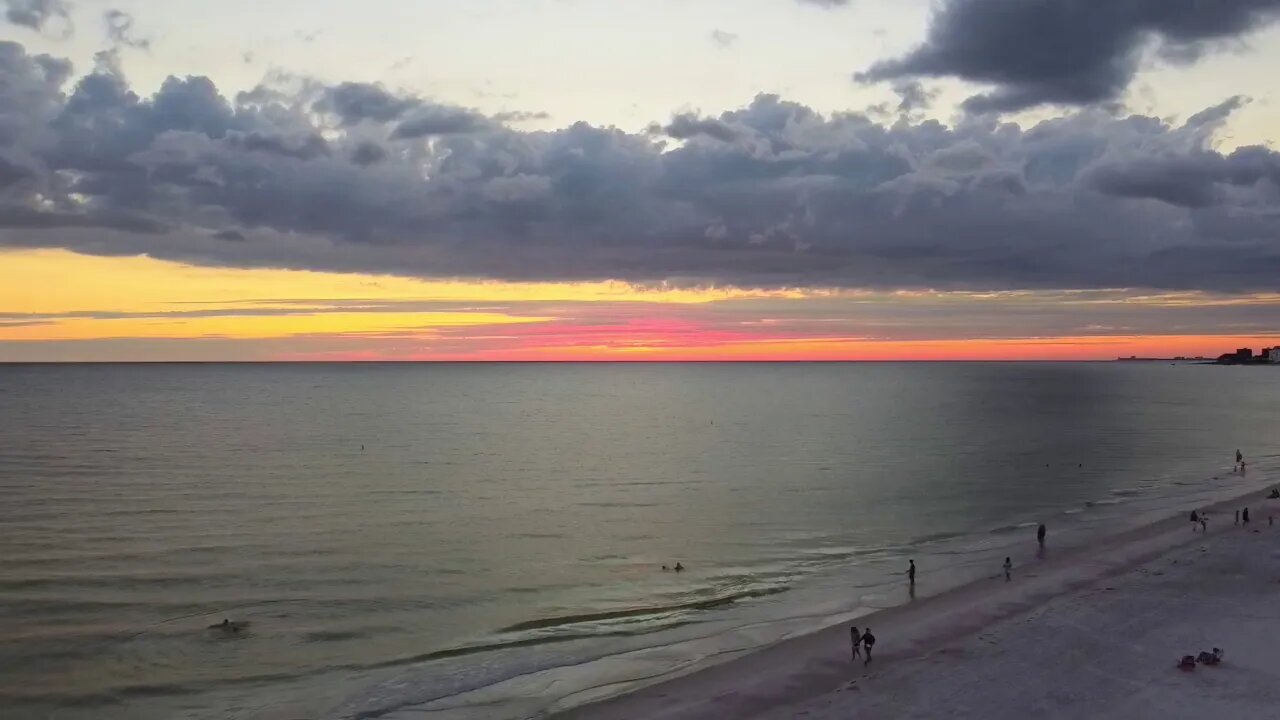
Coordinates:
column 1095, row 632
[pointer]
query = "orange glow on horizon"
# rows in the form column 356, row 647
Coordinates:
column 842, row 350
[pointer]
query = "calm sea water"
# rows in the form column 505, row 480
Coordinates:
column 486, row 540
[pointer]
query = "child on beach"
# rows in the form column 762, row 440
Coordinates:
column 1008, row 569
column 856, row 637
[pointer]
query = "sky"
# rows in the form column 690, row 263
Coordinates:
column 625, row 180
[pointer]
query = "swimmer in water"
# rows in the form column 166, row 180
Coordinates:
column 227, row 626
column 679, row 567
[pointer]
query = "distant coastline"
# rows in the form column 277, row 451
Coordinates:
column 1242, row 356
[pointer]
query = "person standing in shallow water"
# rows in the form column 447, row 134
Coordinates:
column 911, row 572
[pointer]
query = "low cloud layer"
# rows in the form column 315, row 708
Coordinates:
column 1066, row 52
column 356, row 177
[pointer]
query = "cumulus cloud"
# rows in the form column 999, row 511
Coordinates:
column 773, row 194
column 1065, row 52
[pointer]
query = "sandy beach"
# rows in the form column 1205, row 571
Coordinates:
column 1094, row 632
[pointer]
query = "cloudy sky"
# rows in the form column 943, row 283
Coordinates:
column 616, row 179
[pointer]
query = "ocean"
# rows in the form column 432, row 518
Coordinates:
column 487, row 540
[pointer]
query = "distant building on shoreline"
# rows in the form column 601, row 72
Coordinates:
column 1245, row 356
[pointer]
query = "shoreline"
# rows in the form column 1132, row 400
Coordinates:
column 813, row 665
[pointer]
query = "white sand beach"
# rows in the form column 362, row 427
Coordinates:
column 1093, row 633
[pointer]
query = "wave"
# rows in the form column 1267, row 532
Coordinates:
column 1005, row 529
column 936, row 537
column 1128, row 492
column 708, row 604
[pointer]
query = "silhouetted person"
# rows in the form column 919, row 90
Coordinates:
column 1204, row 523
column 1040, row 533
column 227, row 626
column 1237, row 517
column 1239, row 458
column 855, row 638
column 1244, row 516
column 868, row 642
column 1008, row 569
column 679, row 567
column 1195, row 518
column 911, row 572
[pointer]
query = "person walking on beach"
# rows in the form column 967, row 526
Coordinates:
column 911, row 572
column 1040, row 533
column 1244, row 516
column 1195, row 518
column 1204, row 522
column 1239, row 459
column 868, row 642
column 856, row 638
column 1008, row 569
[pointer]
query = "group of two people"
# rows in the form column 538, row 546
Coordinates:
column 862, row 643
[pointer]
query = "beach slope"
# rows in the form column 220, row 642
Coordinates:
column 1093, row 633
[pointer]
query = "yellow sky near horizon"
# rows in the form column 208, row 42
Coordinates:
column 60, row 281
column 56, row 297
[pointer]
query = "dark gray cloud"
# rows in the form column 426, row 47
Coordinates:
column 912, row 96
column 40, row 15
column 368, row 153
column 302, row 148
column 356, row 102
column 230, row 236
column 687, row 125
column 439, row 120
column 1195, row 180
column 1067, row 52
column 772, row 194
column 121, row 32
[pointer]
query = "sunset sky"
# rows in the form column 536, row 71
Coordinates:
column 618, row 180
